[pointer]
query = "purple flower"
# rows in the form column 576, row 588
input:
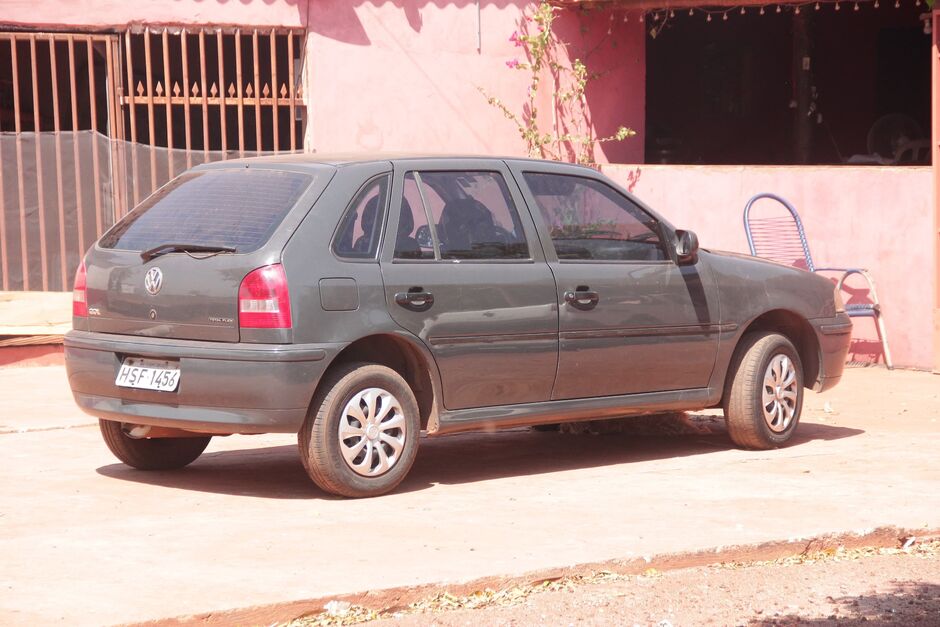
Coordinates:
column 514, row 38
column 512, row 64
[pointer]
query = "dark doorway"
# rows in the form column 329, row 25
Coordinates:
column 727, row 91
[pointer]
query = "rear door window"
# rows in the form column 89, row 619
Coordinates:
column 414, row 239
column 473, row 216
column 237, row 208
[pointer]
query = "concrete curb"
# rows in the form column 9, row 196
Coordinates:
column 390, row 599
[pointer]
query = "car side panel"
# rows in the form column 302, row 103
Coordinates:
column 493, row 325
column 318, row 278
column 654, row 326
column 750, row 287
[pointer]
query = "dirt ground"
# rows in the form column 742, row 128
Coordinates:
column 243, row 537
column 835, row 588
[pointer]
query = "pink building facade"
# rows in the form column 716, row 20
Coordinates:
column 406, row 76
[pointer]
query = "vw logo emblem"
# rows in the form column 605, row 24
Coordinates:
column 153, row 280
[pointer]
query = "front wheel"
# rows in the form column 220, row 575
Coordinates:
column 765, row 397
column 361, row 433
column 151, row 453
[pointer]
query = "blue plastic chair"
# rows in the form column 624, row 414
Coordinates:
column 781, row 238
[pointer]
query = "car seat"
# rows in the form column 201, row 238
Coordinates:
column 369, row 213
column 466, row 225
column 406, row 247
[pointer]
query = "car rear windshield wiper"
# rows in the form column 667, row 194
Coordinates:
column 163, row 249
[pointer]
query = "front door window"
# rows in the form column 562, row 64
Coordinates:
column 591, row 221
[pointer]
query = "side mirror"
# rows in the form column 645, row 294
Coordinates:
column 686, row 247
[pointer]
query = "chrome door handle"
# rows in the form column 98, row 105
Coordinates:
column 583, row 298
column 415, row 299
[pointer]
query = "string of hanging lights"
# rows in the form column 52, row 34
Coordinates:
column 661, row 15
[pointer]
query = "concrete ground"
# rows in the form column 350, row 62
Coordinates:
column 86, row 540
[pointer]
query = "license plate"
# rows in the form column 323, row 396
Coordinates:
column 148, row 374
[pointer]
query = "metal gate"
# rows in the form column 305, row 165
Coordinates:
column 56, row 97
column 207, row 94
column 90, row 124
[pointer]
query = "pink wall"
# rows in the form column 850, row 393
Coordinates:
column 879, row 218
column 110, row 14
column 403, row 75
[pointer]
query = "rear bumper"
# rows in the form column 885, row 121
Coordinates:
column 224, row 388
column 834, row 335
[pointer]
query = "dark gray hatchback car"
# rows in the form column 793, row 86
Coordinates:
column 360, row 301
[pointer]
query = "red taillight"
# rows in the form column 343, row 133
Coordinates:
column 79, row 300
column 263, row 299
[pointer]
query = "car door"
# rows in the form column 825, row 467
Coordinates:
column 463, row 271
column 631, row 319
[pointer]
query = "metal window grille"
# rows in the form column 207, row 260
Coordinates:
column 54, row 88
column 229, row 91
column 90, row 124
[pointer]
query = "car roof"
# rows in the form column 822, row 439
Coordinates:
column 313, row 159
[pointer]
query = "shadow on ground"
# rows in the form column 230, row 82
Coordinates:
column 908, row 603
column 276, row 471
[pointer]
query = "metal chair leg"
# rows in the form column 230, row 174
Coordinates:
column 882, row 335
column 879, row 322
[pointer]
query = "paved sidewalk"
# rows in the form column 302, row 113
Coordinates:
column 85, row 540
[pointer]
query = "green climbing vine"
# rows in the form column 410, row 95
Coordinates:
column 571, row 137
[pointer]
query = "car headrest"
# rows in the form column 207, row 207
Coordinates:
column 369, row 214
column 462, row 212
column 406, row 223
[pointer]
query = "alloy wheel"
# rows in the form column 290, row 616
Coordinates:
column 372, row 432
column 779, row 393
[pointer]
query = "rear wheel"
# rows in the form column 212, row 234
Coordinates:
column 151, row 453
column 765, row 397
column 361, row 433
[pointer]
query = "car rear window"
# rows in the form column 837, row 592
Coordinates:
column 238, row 208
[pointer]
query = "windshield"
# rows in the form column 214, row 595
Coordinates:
column 229, row 209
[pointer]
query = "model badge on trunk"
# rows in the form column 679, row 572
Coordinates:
column 153, row 280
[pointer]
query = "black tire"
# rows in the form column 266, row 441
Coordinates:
column 152, row 453
column 743, row 400
column 321, row 448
